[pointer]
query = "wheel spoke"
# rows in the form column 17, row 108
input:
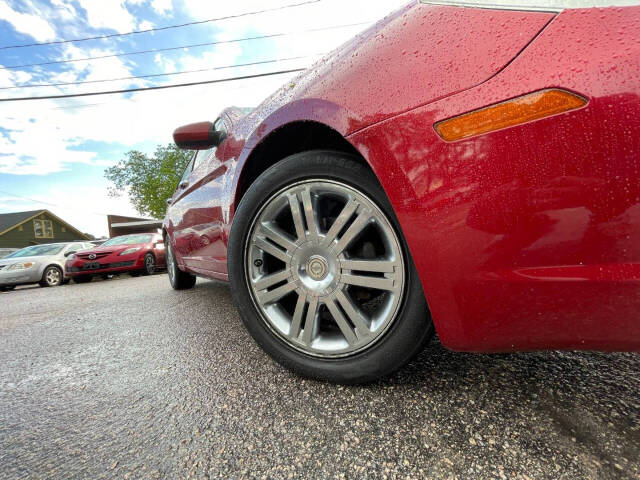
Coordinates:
column 309, row 214
column 358, row 225
column 346, row 213
column 272, row 250
column 342, row 323
column 358, row 320
column 377, row 266
column 294, row 205
column 296, row 322
column 273, row 296
column 311, row 323
column 271, row 280
column 378, row 283
column 276, row 235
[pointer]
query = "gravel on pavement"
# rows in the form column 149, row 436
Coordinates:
column 127, row 378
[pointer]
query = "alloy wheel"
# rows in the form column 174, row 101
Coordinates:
column 325, row 268
column 149, row 264
column 53, row 277
column 171, row 264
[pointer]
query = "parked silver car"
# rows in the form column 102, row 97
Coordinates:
column 42, row 264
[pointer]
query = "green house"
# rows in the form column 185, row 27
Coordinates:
column 21, row 229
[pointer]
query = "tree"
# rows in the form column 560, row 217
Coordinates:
column 149, row 180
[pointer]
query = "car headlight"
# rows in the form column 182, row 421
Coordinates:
column 129, row 251
column 21, row 266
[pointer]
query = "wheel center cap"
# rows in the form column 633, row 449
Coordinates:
column 317, row 267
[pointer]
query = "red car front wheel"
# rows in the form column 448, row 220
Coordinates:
column 321, row 274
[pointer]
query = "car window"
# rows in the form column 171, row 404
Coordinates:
column 202, row 156
column 187, row 171
column 37, row 251
column 74, row 247
column 128, row 240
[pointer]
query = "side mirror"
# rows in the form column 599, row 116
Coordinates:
column 169, row 201
column 198, row 136
column 69, row 253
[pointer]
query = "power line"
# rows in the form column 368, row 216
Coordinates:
column 159, row 87
column 168, row 27
column 195, row 45
column 134, row 77
column 110, row 103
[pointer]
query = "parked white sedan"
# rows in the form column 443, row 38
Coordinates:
column 42, row 264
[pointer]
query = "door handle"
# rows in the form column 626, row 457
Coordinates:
column 184, row 185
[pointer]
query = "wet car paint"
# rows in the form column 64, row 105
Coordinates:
column 529, row 237
column 524, row 238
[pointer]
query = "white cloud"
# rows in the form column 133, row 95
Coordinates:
column 110, row 14
column 291, row 20
column 44, row 131
column 32, row 25
column 145, row 25
column 166, row 64
column 162, row 7
column 65, row 10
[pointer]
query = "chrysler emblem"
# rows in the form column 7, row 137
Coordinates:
column 92, row 256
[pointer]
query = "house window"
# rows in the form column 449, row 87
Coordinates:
column 43, row 228
column 64, row 230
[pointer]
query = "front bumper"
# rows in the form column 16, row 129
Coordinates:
column 19, row 277
column 79, row 267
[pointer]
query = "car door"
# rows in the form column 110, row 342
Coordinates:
column 196, row 212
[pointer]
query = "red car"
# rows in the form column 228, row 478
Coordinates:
column 468, row 170
column 137, row 254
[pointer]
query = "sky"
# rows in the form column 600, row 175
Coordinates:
column 53, row 153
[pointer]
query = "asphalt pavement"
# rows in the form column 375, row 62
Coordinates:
column 126, row 378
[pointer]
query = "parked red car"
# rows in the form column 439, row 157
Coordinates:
column 469, row 169
column 137, row 254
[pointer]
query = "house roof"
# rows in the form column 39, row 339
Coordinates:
column 9, row 220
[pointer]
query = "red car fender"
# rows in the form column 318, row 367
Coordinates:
column 430, row 62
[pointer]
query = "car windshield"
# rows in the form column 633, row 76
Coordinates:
column 128, row 240
column 37, row 251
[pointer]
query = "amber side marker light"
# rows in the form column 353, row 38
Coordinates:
column 516, row 111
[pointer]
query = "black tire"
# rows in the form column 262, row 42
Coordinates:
column 178, row 279
column 149, row 264
column 411, row 329
column 52, row 277
column 82, row 279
